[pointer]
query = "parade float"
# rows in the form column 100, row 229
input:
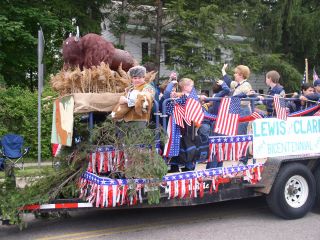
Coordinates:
column 103, row 170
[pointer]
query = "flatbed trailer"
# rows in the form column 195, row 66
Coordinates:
column 290, row 182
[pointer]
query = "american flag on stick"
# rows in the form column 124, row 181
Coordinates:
column 256, row 115
column 304, row 79
column 280, row 107
column 193, row 109
column 317, row 113
column 179, row 113
column 228, row 116
column 315, row 75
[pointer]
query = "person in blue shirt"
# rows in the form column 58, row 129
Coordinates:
column 272, row 81
column 307, row 98
column 219, row 89
column 316, row 85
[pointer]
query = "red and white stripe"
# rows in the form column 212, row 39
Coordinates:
column 56, row 149
column 178, row 113
column 227, row 123
column 166, row 150
column 281, row 111
column 34, row 207
column 317, row 113
column 228, row 151
column 194, row 112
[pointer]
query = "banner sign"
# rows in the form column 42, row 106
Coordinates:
column 273, row 137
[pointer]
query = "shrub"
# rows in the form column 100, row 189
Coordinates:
column 19, row 115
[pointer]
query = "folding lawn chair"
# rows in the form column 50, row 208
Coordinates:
column 12, row 149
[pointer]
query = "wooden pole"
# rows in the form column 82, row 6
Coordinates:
column 306, row 70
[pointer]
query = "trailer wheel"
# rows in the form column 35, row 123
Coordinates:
column 317, row 178
column 293, row 192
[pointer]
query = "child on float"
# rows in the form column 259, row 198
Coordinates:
column 137, row 75
column 316, row 85
column 241, row 88
column 306, row 99
column 272, row 81
column 187, row 158
column 219, row 89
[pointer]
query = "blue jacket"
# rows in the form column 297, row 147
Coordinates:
column 166, row 94
column 276, row 90
column 216, row 104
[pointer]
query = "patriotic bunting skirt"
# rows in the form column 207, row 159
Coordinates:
column 106, row 159
column 105, row 192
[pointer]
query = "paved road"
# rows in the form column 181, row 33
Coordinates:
column 241, row 220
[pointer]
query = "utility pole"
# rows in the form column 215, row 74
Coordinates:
column 40, row 88
column 158, row 37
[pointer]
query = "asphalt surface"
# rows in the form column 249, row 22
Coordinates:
column 241, row 220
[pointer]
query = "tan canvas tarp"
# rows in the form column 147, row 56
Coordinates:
column 95, row 102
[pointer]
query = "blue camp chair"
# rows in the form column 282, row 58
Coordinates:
column 12, row 149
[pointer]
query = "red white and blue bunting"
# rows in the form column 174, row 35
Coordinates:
column 106, row 159
column 228, row 147
column 106, row 192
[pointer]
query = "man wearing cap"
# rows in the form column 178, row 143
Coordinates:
column 316, row 85
column 138, row 87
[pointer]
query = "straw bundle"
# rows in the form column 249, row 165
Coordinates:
column 97, row 79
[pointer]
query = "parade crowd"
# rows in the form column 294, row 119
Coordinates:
column 191, row 135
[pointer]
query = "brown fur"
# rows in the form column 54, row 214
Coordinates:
column 119, row 111
column 143, row 105
column 92, row 49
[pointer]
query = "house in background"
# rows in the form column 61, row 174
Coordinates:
column 144, row 48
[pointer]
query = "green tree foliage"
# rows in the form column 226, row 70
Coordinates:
column 61, row 183
column 18, row 114
column 290, row 28
column 19, row 26
column 201, row 29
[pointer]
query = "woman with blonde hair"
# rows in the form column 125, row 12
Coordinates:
column 241, row 88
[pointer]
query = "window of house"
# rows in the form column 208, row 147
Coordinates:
column 144, row 50
column 208, row 55
column 217, row 54
column 167, row 59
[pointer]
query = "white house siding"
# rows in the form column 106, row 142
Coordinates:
column 258, row 83
column 133, row 44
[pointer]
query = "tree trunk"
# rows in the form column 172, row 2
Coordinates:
column 158, row 37
column 31, row 80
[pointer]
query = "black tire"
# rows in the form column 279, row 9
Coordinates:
column 293, row 193
column 317, row 179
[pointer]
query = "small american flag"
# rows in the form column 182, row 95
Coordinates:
column 228, row 116
column 280, row 107
column 315, row 75
column 256, row 115
column 317, row 113
column 193, row 109
column 178, row 113
column 172, row 146
column 304, row 79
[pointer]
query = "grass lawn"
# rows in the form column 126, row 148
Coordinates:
column 30, row 171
